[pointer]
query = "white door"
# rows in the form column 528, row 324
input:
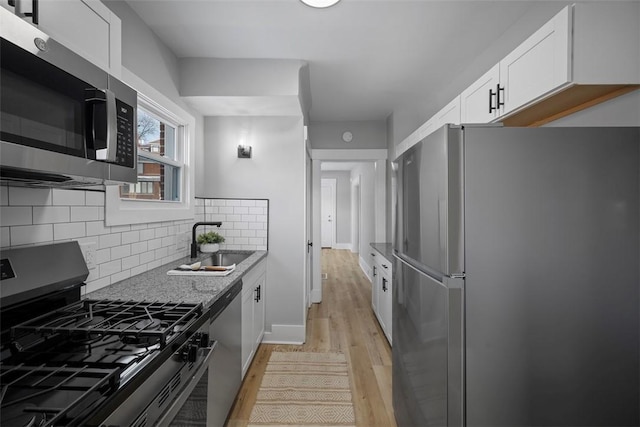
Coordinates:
column 328, row 208
column 309, row 232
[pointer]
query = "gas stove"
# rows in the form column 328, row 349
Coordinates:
column 79, row 362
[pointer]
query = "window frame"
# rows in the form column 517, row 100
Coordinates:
column 135, row 211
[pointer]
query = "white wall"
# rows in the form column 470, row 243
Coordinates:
column 343, row 207
column 275, row 172
column 366, row 134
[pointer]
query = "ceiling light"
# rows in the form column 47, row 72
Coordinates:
column 320, row 3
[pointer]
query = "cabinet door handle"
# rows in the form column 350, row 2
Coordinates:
column 492, row 95
column 257, row 291
column 34, row 12
column 384, row 284
column 12, row 3
column 385, row 266
column 498, row 90
column 374, row 271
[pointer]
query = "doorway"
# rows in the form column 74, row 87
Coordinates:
column 373, row 206
column 328, row 188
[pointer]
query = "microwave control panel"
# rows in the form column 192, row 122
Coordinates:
column 126, row 148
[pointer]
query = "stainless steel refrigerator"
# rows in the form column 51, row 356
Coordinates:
column 516, row 287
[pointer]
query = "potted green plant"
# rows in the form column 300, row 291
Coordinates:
column 209, row 242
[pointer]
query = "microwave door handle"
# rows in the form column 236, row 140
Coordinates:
column 112, row 128
column 95, row 139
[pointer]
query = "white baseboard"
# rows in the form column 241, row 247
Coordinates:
column 348, row 246
column 285, row 334
column 365, row 268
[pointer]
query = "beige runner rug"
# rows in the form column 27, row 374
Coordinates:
column 304, row 389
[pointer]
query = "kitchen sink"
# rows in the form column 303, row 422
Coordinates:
column 225, row 258
column 216, row 264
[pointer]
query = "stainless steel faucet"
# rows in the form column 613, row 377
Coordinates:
column 194, row 246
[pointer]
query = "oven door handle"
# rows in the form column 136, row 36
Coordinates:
column 178, row 402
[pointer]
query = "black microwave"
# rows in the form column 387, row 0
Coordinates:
column 63, row 121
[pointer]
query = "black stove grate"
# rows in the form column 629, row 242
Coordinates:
column 132, row 321
column 47, row 396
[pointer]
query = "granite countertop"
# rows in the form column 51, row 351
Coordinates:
column 156, row 285
column 385, row 249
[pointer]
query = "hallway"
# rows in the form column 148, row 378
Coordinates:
column 343, row 322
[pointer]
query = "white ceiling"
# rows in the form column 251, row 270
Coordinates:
column 366, row 58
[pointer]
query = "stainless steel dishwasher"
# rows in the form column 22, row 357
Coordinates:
column 225, row 371
column 211, row 400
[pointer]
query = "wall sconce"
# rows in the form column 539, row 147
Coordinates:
column 244, row 151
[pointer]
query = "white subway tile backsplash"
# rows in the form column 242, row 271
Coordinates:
column 154, row 264
column 94, row 198
column 124, row 274
column 138, row 248
column 162, row 231
column 130, row 262
column 119, row 252
column 5, row 236
column 103, row 255
column 4, row 195
column 50, row 214
column 36, row 216
column 109, row 240
column 147, row 234
column 138, row 270
column 68, row 230
column 111, row 267
column 29, row 234
column 154, row 244
column 85, row 213
column 97, row 284
column 68, row 197
column 147, row 257
column 29, row 196
column 16, row 215
column 130, row 237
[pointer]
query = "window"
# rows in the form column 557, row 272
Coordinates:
column 159, row 171
column 164, row 191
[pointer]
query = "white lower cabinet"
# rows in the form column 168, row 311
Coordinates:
column 253, row 313
column 381, row 293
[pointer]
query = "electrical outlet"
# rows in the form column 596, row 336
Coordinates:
column 89, row 252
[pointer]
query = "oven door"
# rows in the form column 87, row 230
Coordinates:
column 157, row 400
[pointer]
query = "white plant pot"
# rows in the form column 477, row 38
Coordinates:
column 209, row 247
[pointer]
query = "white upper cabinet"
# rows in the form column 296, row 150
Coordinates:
column 478, row 101
column 87, row 27
column 539, row 65
column 449, row 114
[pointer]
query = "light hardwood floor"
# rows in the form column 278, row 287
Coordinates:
column 343, row 322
